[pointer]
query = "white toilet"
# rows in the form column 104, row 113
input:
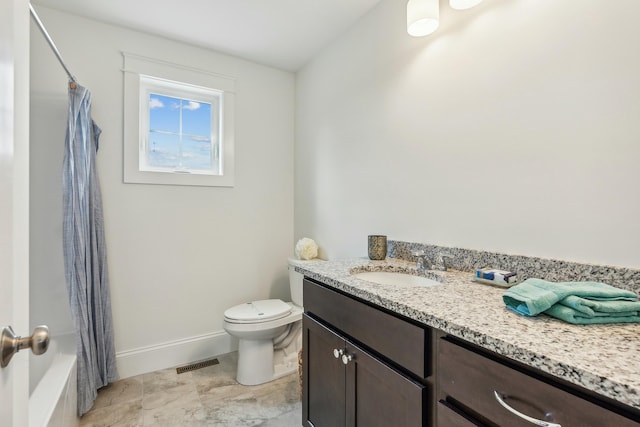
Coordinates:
column 269, row 334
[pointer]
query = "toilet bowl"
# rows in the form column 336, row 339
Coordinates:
column 269, row 334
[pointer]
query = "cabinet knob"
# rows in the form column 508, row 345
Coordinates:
column 535, row 421
column 346, row 358
column 337, row 353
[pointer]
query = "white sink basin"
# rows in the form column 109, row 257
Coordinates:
column 394, row 278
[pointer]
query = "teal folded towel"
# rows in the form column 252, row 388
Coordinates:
column 575, row 302
column 590, row 308
column 570, row 315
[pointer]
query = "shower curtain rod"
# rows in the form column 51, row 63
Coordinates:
column 35, row 16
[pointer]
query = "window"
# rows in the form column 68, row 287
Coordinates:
column 178, row 125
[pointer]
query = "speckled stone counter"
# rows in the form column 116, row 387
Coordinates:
column 601, row 358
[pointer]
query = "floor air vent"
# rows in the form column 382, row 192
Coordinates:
column 197, row 365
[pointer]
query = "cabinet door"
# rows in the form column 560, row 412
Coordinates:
column 379, row 396
column 323, row 392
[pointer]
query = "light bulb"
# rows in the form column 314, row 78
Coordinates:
column 463, row 4
column 423, row 17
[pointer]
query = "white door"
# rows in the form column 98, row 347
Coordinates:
column 14, row 203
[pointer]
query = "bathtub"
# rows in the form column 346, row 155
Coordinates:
column 53, row 387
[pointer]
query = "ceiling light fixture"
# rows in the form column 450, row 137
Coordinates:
column 463, row 4
column 423, row 17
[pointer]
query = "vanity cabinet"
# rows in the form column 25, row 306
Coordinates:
column 349, row 375
column 473, row 383
column 369, row 367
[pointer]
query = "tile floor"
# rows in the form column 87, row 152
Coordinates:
column 205, row 397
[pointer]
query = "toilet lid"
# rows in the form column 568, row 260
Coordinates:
column 258, row 311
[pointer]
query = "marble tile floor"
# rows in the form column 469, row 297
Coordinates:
column 204, row 397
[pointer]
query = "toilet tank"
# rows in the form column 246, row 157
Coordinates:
column 295, row 280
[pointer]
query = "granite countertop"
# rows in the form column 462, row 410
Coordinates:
column 601, row 358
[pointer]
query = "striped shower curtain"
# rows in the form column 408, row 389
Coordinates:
column 85, row 254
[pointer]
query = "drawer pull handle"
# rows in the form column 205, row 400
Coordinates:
column 337, row 353
column 521, row 415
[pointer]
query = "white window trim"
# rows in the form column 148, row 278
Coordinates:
column 136, row 66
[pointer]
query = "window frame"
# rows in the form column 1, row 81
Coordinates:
column 154, row 86
column 138, row 73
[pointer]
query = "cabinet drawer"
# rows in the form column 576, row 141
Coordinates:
column 450, row 416
column 390, row 336
column 469, row 379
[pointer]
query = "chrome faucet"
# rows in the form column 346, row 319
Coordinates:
column 441, row 263
column 422, row 263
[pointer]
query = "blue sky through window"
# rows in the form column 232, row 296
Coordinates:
column 179, row 133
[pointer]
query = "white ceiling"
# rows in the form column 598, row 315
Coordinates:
column 280, row 33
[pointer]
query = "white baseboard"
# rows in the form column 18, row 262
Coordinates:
column 175, row 353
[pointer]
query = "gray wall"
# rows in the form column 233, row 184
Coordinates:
column 513, row 128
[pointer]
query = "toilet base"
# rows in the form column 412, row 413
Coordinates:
column 258, row 363
column 255, row 361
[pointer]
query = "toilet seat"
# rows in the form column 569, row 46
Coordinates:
column 257, row 311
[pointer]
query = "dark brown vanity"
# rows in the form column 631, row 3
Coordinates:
column 362, row 366
column 365, row 365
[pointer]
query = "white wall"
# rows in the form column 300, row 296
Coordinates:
column 514, row 128
column 178, row 256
